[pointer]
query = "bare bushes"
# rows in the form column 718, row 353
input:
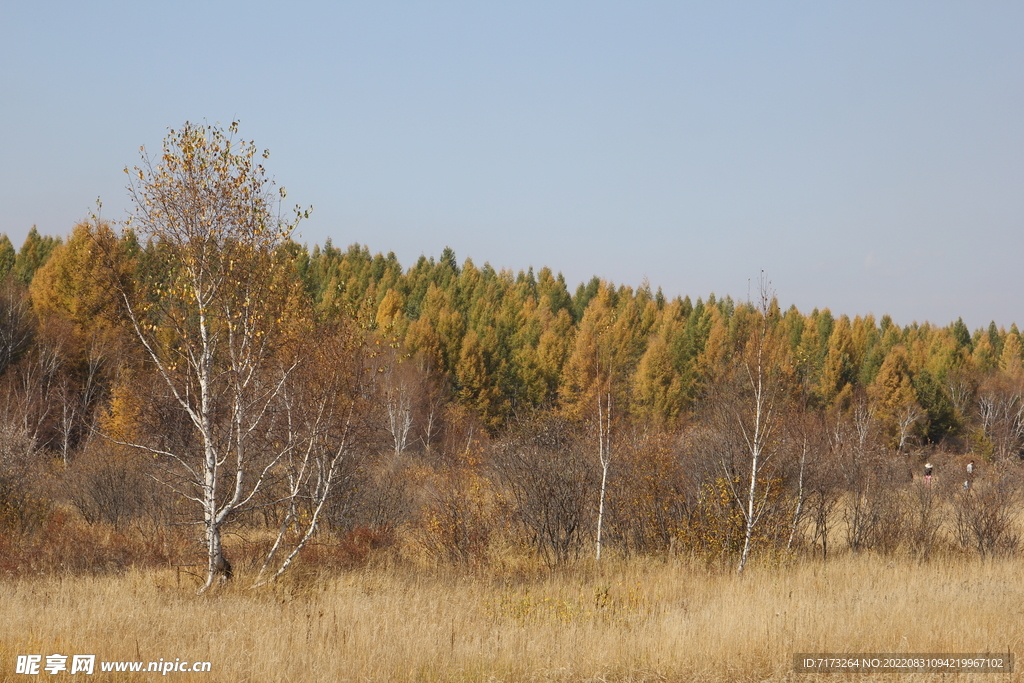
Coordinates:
column 107, row 485
column 822, row 490
column 889, row 513
column 551, row 477
column 923, row 519
column 985, row 512
column 460, row 513
column 101, row 515
column 873, row 515
column 646, row 506
column 23, row 506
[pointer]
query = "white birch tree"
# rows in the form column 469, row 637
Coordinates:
column 396, row 394
column 319, row 424
column 210, row 306
column 758, row 420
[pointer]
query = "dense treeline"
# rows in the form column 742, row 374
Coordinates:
column 477, row 395
column 512, row 344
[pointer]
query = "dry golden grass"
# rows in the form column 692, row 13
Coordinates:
column 627, row 621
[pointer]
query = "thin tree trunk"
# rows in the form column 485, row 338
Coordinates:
column 755, row 457
column 799, row 498
column 604, row 453
column 758, row 438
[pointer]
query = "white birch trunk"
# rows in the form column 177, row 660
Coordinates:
column 757, row 436
column 604, row 437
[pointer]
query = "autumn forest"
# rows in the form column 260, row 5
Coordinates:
column 195, row 389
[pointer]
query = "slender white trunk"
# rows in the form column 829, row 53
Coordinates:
column 604, row 438
column 215, row 554
column 757, row 439
column 212, row 517
column 755, row 458
column 399, row 409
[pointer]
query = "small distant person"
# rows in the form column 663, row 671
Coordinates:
column 928, row 472
column 967, row 484
column 970, row 469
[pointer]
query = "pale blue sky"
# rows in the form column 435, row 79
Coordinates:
column 868, row 156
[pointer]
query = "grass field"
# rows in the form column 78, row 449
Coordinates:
column 673, row 620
